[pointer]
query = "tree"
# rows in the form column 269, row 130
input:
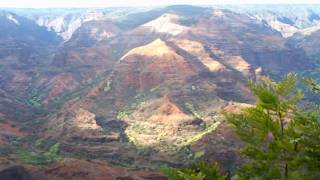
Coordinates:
column 281, row 141
column 305, row 130
column 200, row 171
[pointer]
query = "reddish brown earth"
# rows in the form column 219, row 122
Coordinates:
column 77, row 169
column 222, row 146
column 150, row 65
column 62, row 83
column 9, row 129
column 136, row 95
column 73, row 169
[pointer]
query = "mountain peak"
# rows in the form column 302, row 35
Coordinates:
column 156, row 48
column 166, row 23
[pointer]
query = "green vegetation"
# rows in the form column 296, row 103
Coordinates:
column 35, row 98
column 198, row 154
column 282, row 140
column 40, row 157
column 202, row 134
column 313, row 85
column 68, row 95
column 190, row 107
column 122, row 114
column 200, row 171
column 130, row 107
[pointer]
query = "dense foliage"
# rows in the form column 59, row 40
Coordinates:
column 40, row 157
column 282, row 139
column 200, row 171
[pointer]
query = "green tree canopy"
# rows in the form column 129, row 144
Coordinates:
column 282, row 140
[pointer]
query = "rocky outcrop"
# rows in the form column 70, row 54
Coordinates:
column 167, row 23
column 66, row 24
column 76, row 123
column 198, row 50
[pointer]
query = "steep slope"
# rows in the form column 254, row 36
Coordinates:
column 198, row 50
column 167, row 23
column 145, row 67
column 239, row 40
column 160, row 93
column 67, row 24
column 286, row 19
column 308, row 42
column 142, row 93
column 157, row 101
column 78, row 63
column 24, row 48
column 237, row 36
column 21, row 28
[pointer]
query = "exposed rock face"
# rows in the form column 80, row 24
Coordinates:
column 146, row 93
column 198, row 50
column 85, row 120
column 287, row 20
column 166, row 92
column 157, row 48
column 79, row 123
column 66, row 25
column 285, row 29
column 93, row 31
column 237, row 36
column 309, row 43
column 239, row 64
column 167, row 23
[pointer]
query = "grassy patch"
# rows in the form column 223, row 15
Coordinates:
column 190, row 107
column 35, row 98
column 68, row 95
column 122, row 114
column 198, row 154
column 40, row 157
column 199, row 136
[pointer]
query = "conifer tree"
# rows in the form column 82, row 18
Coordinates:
column 199, row 171
column 281, row 141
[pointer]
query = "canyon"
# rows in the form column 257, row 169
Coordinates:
column 125, row 91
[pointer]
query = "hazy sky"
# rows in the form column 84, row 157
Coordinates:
column 111, row 3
